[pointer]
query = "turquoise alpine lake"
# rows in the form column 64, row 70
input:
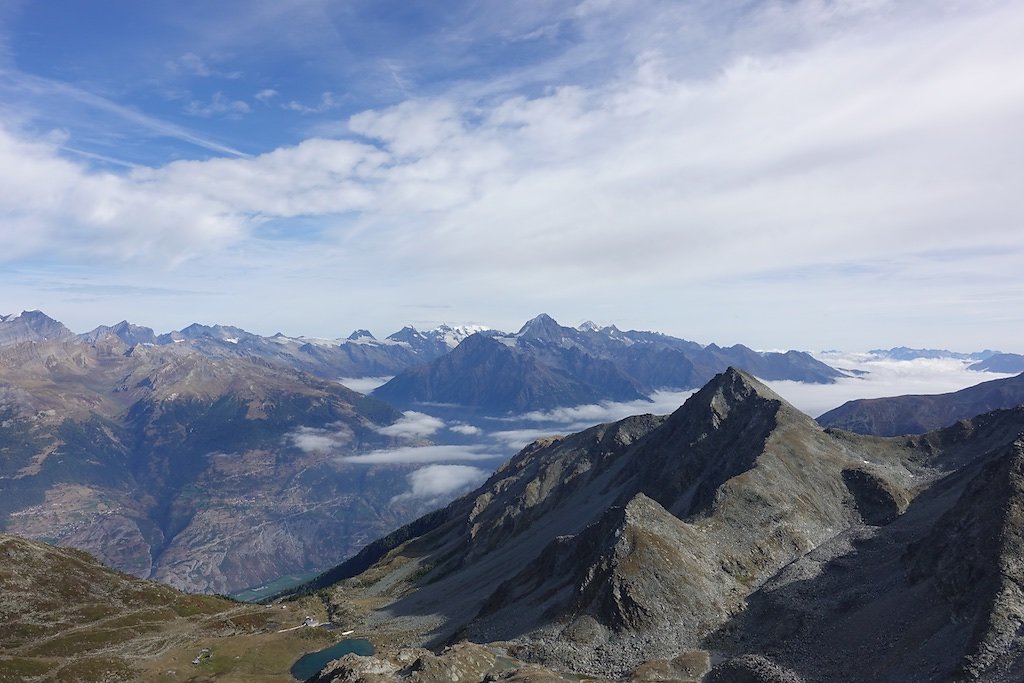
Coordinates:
column 308, row 665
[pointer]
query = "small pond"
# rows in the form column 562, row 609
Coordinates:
column 308, row 665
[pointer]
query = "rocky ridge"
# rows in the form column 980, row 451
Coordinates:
column 735, row 526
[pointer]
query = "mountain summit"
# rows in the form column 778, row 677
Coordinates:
column 643, row 540
column 543, row 328
column 546, row 365
column 31, row 326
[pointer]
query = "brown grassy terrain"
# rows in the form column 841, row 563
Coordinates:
column 65, row 617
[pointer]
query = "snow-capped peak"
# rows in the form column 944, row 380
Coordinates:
column 453, row 336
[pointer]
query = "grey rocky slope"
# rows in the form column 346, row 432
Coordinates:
column 546, row 365
column 932, row 596
column 915, row 414
column 31, row 326
column 193, row 469
column 640, row 540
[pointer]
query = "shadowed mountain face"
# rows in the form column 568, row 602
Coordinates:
column 932, row 596
column 486, row 374
column 169, row 464
column 917, row 414
column 1000, row 362
column 636, row 542
column 546, row 365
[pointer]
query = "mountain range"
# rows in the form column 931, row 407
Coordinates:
column 209, row 457
column 735, row 531
column 190, row 468
column 358, row 355
column 546, row 365
column 734, row 539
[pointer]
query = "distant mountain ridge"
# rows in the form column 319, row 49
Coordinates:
column 985, row 361
column 358, row 355
column 916, row 414
column 1000, row 362
column 546, row 365
column 907, row 353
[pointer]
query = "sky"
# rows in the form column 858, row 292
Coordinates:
column 784, row 174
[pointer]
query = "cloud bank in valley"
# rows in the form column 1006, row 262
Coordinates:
column 364, row 385
column 885, row 378
column 442, row 482
column 413, row 425
column 317, row 440
column 422, row 454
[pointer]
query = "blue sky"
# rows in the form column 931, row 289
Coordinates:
column 798, row 173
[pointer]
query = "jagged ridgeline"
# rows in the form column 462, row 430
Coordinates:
column 735, row 527
column 547, row 365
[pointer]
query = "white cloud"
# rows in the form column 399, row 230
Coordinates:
column 442, row 481
column 468, row 430
column 423, row 454
column 579, row 417
column 195, row 65
column 413, row 128
column 53, row 204
column 364, row 385
column 519, row 438
column 413, row 425
column 266, row 95
column 316, row 440
column 786, row 151
column 884, row 378
column 218, row 104
column 327, row 102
